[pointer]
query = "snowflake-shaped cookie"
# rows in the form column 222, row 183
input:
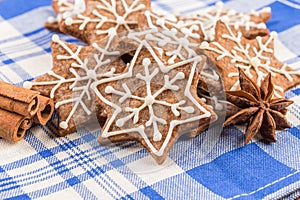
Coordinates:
column 153, row 102
column 251, row 25
column 231, row 50
column 104, row 18
column 75, row 68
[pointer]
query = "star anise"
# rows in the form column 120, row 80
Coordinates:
column 263, row 113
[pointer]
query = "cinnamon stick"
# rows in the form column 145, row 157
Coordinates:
column 19, row 100
column 13, row 126
column 45, row 110
column 26, row 124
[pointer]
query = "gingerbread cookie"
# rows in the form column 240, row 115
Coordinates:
column 153, row 102
column 105, row 18
column 75, row 68
column 188, row 36
column 231, row 50
column 250, row 25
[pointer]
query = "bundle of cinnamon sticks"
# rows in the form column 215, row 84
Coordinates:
column 19, row 108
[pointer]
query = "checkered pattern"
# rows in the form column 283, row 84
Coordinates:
column 74, row 167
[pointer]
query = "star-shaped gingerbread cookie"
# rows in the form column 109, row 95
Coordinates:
column 231, row 50
column 75, row 68
column 104, row 18
column 154, row 102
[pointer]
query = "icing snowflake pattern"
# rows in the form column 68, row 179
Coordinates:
column 166, row 40
column 170, row 22
column 171, row 43
column 241, row 58
column 88, row 77
column 70, row 8
column 99, row 19
column 150, row 99
column 175, row 32
column 209, row 17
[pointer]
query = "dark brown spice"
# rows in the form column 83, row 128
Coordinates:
column 263, row 113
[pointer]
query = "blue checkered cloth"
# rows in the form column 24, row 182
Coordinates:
column 77, row 167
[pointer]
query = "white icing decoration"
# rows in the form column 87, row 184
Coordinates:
column 89, row 76
column 69, row 21
column 27, row 85
column 166, row 40
column 65, row 5
column 150, row 99
column 185, row 43
column 99, row 19
column 63, row 125
column 55, row 38
column 209, row 17
column 241, row 58
column 189, row 29
column 218, row 105
column 204, row 45
column 51, row 19
column 69, row 8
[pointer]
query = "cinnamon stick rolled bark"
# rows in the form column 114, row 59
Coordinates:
column 13, row 126
column 45, row 110
column 27, row 123
column 19, row 100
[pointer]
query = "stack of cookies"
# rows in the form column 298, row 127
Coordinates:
column 151, row 77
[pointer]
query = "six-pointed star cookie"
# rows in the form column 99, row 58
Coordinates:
column 255, row 57
column 104, row 18
column 75, row 68
column 173, row 46
column 153, row 102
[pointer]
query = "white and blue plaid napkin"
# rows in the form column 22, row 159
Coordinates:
column 77, row 167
